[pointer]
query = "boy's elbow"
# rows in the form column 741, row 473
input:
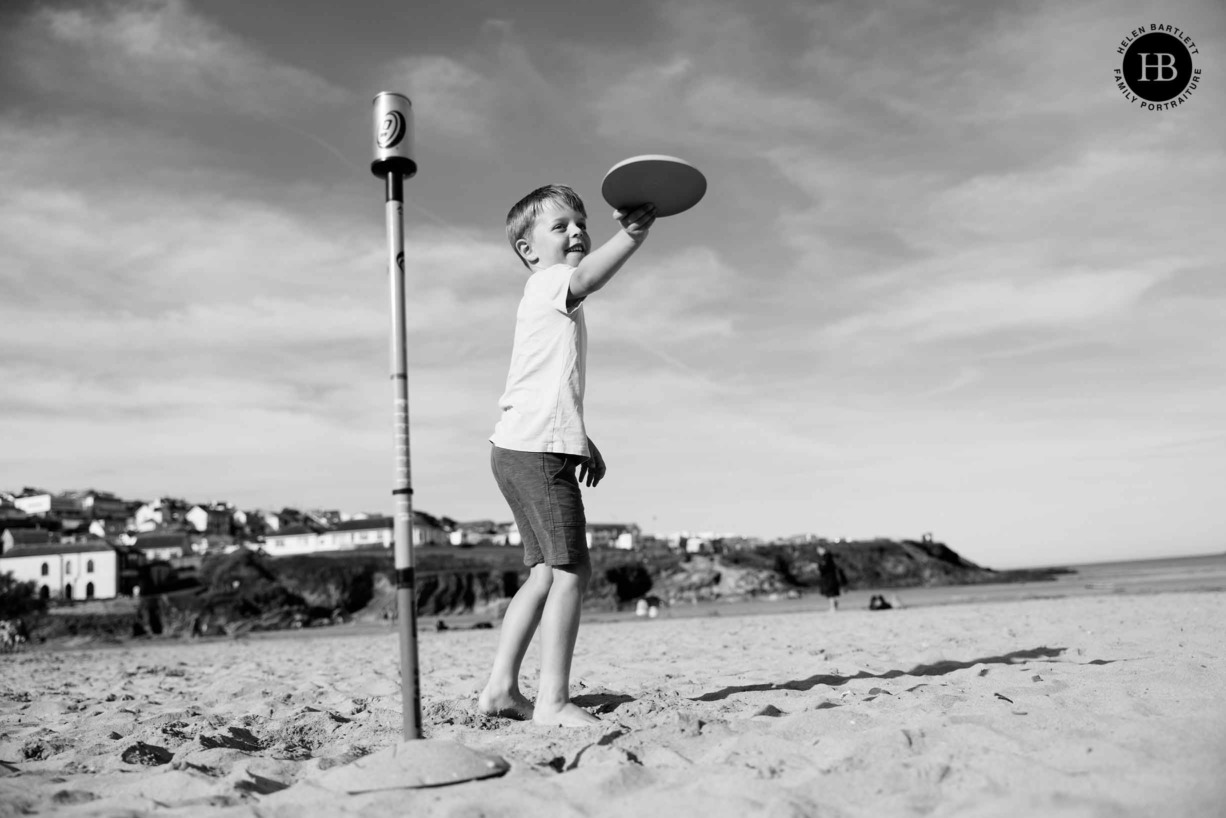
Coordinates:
column 581, row 286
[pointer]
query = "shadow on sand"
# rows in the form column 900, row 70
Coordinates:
column 935, row 669
column 602, row 702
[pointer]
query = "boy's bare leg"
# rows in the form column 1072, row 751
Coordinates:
column 559, row 630
column 501, row 696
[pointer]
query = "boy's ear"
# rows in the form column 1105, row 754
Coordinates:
column 525, row 251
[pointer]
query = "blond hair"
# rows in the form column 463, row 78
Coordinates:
column 524, row 214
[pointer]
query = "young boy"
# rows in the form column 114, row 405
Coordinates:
column 540, row 440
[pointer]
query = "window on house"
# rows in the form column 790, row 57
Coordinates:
column 46, row 569
column 89, row 567
column 68, row 567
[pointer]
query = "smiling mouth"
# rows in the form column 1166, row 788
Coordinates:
column 576, row 248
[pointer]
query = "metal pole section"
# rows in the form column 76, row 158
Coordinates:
column 402, row 491
column 393, row 161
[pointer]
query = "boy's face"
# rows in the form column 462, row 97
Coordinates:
column 559, row 236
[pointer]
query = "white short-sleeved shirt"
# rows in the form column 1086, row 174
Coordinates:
column 542, row 406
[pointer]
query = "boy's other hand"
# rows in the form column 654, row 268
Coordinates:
column 638, row 221
column 593, row 468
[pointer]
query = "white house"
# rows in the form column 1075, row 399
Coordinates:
column 85, row 570
column 612, row 535
column 147, row 517
column 477, row 531
column 44, row 503
column 271, row 519
column 158, row 546
column 102, row 505
column 363, row 533
column 428, row 530
column 510, row 534
column 103, row 529
column 375, row 532
column 160, row 513
column 295, row 539
column 215, row 519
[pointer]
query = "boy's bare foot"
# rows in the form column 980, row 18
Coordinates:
column 568, row 715
column 513, row 705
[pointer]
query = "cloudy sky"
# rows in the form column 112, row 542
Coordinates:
column 946, row 277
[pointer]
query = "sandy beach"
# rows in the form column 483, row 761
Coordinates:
column 1081, row 706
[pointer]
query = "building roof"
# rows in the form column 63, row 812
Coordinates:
column 290, row 531
column 32, row 536
column 426, row 519
column 369, row 524
column 364, row 525
column 151, row 540
column 56, row 549
column 622, row 527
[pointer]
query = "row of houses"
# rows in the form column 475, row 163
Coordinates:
column 102, row 514
column 428, row 530
column 91, row 545
column 98, row 569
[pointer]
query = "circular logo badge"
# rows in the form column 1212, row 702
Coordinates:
column 391, row 130
column 1157, row 67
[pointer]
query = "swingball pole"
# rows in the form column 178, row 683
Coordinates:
column 393, row 162
column 415, row 761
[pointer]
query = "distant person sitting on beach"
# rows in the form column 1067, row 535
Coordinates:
column 653, row 606
column 878, row 603
column 540, row 440
column 830, row 578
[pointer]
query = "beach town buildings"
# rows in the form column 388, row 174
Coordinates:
column 93, row 544
column 92, row 569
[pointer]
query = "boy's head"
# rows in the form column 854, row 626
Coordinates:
column 549, row 226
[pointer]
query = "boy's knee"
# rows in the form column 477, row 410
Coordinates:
column 579, row 572
column 540, row 578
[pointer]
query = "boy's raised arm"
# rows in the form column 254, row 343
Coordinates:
column 602, row 263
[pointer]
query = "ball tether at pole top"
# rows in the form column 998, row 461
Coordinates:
column 414, row 762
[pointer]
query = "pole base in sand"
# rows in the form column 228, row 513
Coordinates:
column 412, row 765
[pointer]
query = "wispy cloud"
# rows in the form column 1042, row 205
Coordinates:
column 971, row 308
column 157, row 54
column 450, row 99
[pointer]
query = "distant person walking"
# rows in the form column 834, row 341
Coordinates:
column 830, row 577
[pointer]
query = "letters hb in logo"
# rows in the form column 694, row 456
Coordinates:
column 1157, row 67
column 1163, row 65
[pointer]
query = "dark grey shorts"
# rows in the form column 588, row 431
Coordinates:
column 543, row 493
